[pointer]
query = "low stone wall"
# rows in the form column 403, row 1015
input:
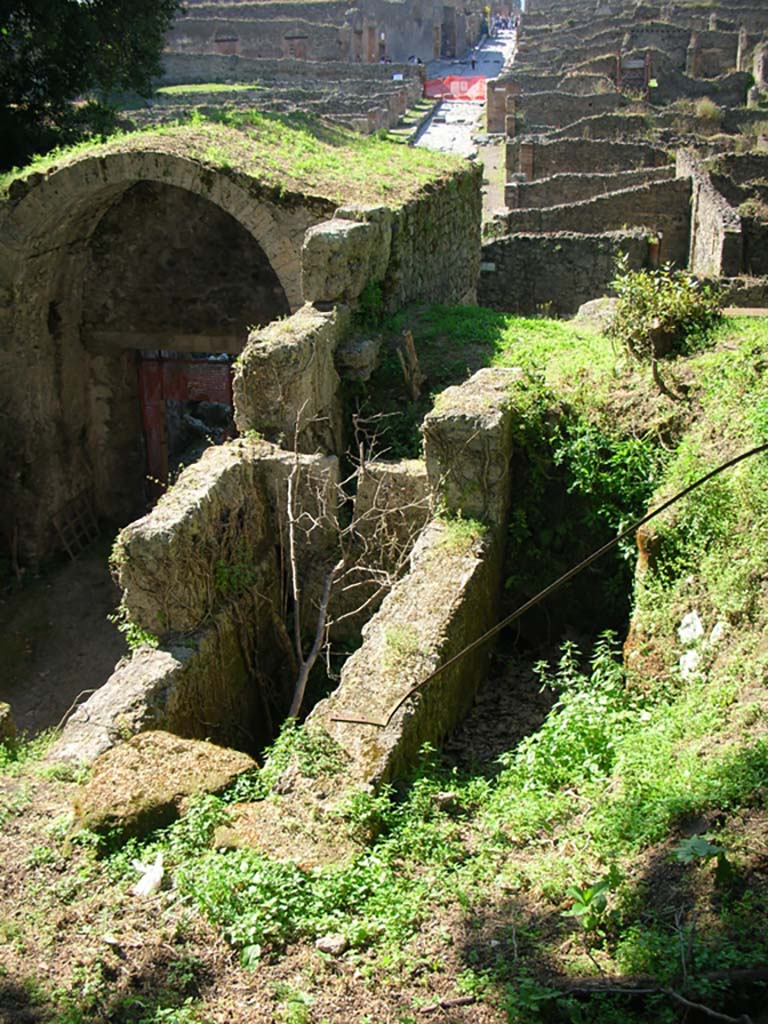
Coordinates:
column 621, row 127
column 743, row 167
column 448, row 599
column 662, row 207
column 199, row 68
column 467, row 444
column 561, row 108
column 525, row 274
column 536, row 157
column 573, row 188
column 726, row 91
column 203, row 571
column 212, row 538
column 748, row 292
column 717, row 243
column 227, row 682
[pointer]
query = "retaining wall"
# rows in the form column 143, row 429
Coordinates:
column 538, row 158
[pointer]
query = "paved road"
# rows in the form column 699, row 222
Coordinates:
column 451, row 127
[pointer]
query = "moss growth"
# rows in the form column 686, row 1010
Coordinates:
column 290, row 153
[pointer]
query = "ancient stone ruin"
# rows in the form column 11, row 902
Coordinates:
column 624, row 125
column 626, row 131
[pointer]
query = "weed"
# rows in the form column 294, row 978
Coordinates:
column 135, row 636
column 590, row 903
column 699, row 849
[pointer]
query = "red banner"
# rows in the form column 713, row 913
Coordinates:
column 455, row 87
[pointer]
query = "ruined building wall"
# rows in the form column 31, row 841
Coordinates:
column 716, row 248
column 70, row 390
column 536, row 157
column 661, row 207
column 556, row 273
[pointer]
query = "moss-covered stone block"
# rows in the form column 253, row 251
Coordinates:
column 145, row 782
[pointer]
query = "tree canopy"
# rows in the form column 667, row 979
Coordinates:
column 52, row 52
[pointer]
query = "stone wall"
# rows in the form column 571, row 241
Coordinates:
column 558, row 272
column 286, row 386
column 68, row 385
column 716, row 246
column 538, row 158
column 662, row 207
column 621, row 127
column 287, row 35
column 573, row 188
column 435, row 248
column 727, row 91
column 561, row 108
column 203, row 573
column 140, row 247
column 187, row 69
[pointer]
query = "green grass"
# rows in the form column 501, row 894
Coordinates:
column 192, row 88
column 290, row 153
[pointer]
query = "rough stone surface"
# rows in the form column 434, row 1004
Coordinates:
column 7, row 724
column 337, row 260
column 301, row 827
column 220, row 683
column 341, row 256
column 447, row 600
column 286, row 379
column 662, row 207
column 396, row 489
column 142, row 784
column 468, row 444
column 214, row 529
column 334, row 945
column 717, row 243
column 554, row 272
column 357, row 358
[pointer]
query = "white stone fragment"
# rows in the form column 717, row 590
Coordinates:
column 718, row 632
column 690, row 629
column 151, row 876
column 689, row 663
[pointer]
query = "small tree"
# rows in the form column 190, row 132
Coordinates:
column 54, row 51
column 662, row 312
column 370, row 550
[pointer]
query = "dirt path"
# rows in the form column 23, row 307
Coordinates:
column 55, row 640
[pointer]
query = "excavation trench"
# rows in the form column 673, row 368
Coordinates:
column 206, row 572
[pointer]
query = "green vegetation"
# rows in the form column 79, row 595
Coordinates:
column 662, row 311
column 625, row 836
column 53, row 53
column 290, row 153
column 193, row 88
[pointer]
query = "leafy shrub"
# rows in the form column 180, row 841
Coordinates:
column 579, row 738
column 662, row 311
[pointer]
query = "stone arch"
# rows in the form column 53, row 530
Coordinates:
column 55, row 417
column 72, row 199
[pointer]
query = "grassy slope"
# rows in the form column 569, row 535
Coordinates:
column 466, row 895
column 290, row 153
